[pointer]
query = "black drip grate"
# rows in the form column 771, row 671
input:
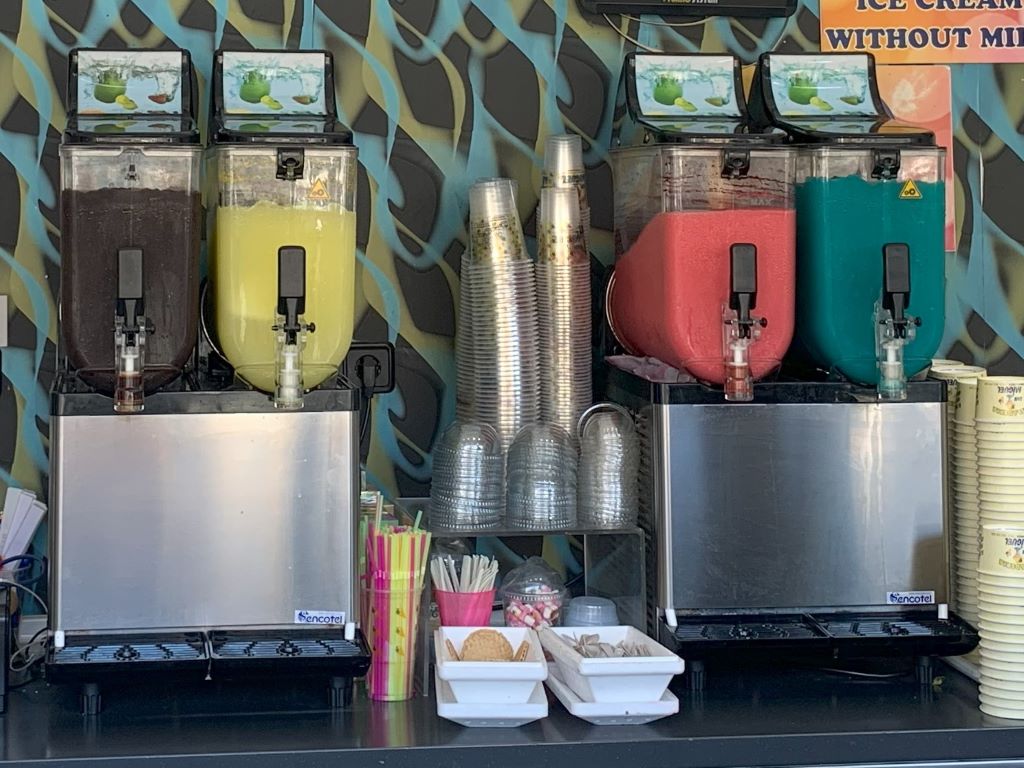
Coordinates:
column 277, row 647
column 824, row 635
column 887, row 629
column 740, row 631
column 85, row 652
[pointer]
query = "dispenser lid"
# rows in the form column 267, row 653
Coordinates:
column 131, row 96
column 275, row 97
column 830, row 97
column 689, row 98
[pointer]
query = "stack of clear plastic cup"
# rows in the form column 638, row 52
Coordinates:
column 609, row 466
column 563, row 309
column 468, row 488
column 465, row 407
column 497, row 350
column 563, row 167
column 542, row 475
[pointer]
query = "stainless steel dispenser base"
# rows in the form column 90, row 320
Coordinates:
column 815, row 497
column 209, row 509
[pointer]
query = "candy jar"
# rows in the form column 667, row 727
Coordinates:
column 533, row 595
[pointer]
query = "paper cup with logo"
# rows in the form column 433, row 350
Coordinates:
column 966, row 400
column 1002, row 551
column 1000, row 398
column 950, row 374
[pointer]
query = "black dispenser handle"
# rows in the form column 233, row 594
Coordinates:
column 291, row 289
column 743, row 285
column 129, row 287
column 290, row 163
column 896, row 284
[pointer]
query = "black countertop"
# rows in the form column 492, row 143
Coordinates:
column 764, row 718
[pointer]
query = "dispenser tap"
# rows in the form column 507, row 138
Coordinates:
column 742, row 327
column 894, row 326
column 291, row 329
column 130, row 331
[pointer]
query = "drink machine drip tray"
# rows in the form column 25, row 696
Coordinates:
column 811, row 637
column 250, row 650
column 288, row 654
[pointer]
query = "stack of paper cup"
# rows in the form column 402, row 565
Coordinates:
column 1001, row 590
column 1000, row 436
column 962, row 471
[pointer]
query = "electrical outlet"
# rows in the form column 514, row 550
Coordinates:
column 370, row 366
column 3, row 321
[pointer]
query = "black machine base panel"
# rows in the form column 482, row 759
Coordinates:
column 811, row 637
column 97, row 656
column 92, row 660
column 304, row 652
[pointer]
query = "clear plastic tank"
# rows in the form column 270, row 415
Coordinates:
column 256, row 213
column 682, row 214
column 141, row 200
column 847, row 215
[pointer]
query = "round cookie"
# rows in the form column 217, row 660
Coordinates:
column 486, row 645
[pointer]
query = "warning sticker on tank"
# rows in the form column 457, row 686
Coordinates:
column 318, row 191
column 910, row 191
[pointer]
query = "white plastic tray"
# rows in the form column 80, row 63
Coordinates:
column 612, row 713
column 625, row 680
column 490, row 682
column 490, row 715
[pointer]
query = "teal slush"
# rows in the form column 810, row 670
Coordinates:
column 842, row 226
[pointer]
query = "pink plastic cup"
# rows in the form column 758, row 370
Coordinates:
column 464, row 609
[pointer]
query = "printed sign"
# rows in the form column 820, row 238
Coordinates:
column 923, row 597
column 925, row 31
column 274, row 83
column 319, row 617
column 686, row 86
column 822, row 86
column 129, row 83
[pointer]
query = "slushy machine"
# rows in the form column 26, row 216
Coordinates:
column 204, row 489
column 793, row 495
